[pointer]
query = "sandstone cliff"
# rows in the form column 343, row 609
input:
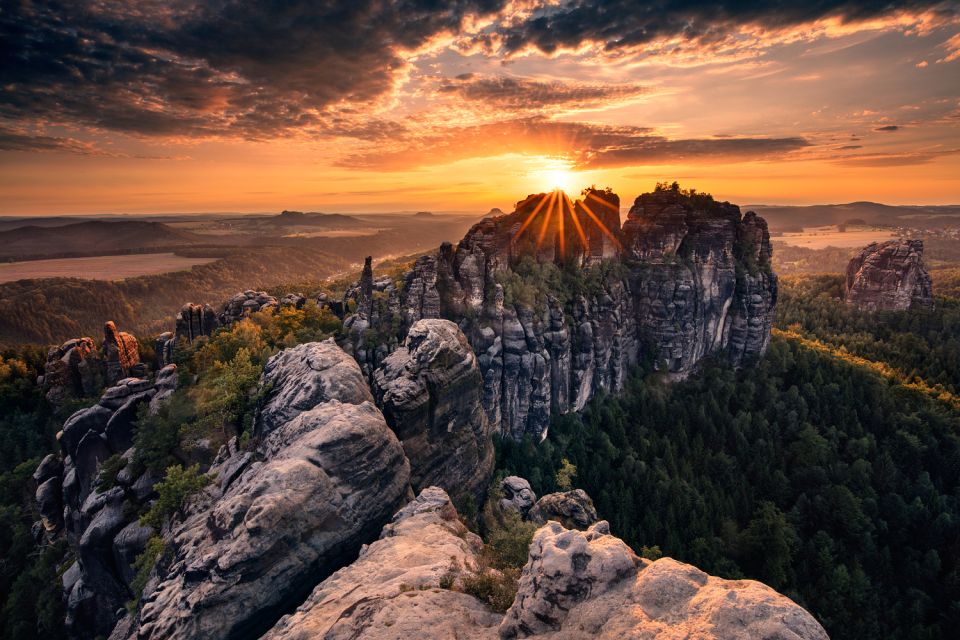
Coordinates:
column 889, row 276
column 326, row 475
column 430, row 393
column 558, row 300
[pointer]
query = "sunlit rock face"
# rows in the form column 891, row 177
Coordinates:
column 889, row 276
column 559, row 300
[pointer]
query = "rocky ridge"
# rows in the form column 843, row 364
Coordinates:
column 889, row 276
column 682, row 278
column 326, row 475
column 76, row 500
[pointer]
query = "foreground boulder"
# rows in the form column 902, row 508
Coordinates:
column 430, row 393
column 889, row 276
column 585, row 585
column 392, row 591
column 324, row 478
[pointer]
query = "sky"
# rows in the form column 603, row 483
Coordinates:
column 114, row 106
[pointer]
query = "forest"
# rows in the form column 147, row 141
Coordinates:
column 833, row 483
column 830, row 470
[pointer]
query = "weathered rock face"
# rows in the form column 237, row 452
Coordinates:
column 573, row 509
column 889, row 276
column 392, row 590
column 121, row 352
column 583, row 585
column 75, row 368
column 326, row 475
column 683, row 278
column 96, row 517
column 430, row 393
column 517, row 495
column 576, row 585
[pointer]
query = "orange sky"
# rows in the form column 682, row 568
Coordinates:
column 475, row 111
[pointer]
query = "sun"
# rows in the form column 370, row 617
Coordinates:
column 557, row 176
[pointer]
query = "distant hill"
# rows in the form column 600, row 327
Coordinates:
column 789, row 218
column 310, row 219
column 93, row 237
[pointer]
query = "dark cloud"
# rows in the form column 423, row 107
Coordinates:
column 889, row 127
column 227, row 67
column 848, row 147
column 519, row 94
column 585, row 145
column 622, row 24
column 14, row 140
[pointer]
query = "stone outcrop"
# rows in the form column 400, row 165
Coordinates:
column 245, row 303
column 585, row 585
column 121, row 353
column 392, row 591
column 92, row 511
column 326, row 475
column 73, row 369
column 684, row 277
column 889, row 276
column 573, row 509
column 196, row 320
column 576, row 585
column 430, row 393
column 517, row 495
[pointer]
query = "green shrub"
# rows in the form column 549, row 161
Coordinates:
column 497, row 588
column 172, row 493
column 144, row 565
column 107, row 477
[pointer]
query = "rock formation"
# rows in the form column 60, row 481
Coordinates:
column 72, row 369
column 245, row 303
column 430, row 393
column 326, row 475
column 585, row 585
column 889, row 276
column 573, row 509
column 392, row 591
column 121, row 352
column 576, row 585
column 558, row 300
column 517, row 495
column 75, row 500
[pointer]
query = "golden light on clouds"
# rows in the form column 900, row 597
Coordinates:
column 778, row 102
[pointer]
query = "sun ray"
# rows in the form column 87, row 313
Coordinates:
column 576, row 222
column 546, row 221
column 561, row 212
column 533, row 214
column 608, row 205
column 599, row 223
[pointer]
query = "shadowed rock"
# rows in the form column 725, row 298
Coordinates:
column 430, row 394
column 573, row 509
column 328, row 474
column 889, row 276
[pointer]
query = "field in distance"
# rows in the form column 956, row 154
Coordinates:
column 100, row 267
